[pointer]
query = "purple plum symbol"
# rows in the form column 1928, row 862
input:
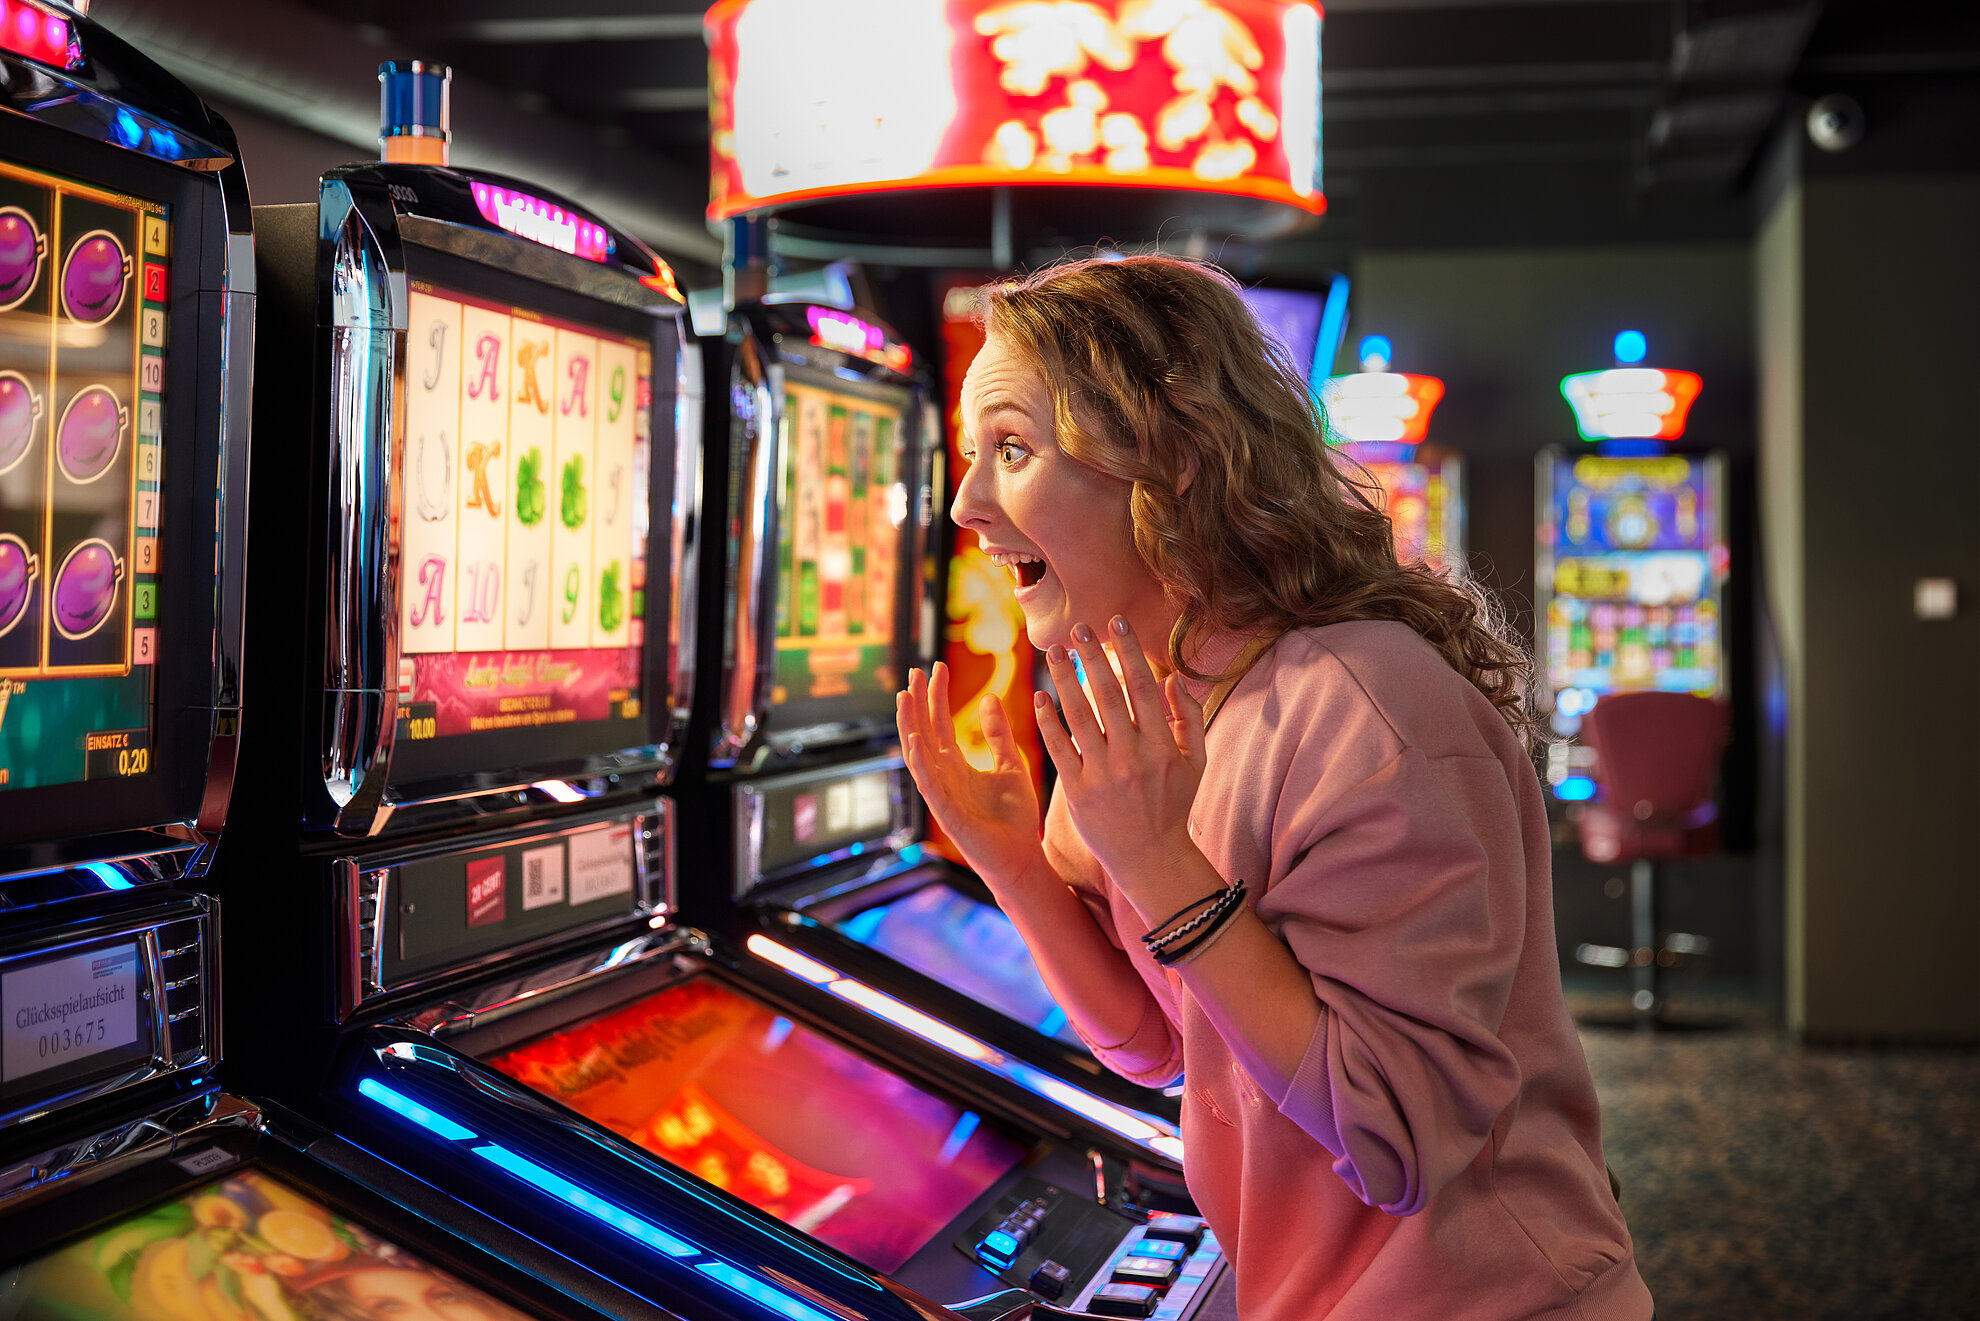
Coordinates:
column 86, row 588
column 18, row 565
column 94, row 276
column 21, row 248
column 91, row 433
column 19, row 407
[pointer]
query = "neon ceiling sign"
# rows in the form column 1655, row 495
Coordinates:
column 833, row 329
column 1377, row 405
column 1631, row 403
column 1219, row 96
column 542, row 222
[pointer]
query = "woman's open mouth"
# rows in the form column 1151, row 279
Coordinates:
column 1025, row 570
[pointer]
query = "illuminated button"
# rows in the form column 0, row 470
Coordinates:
column 1017, row 1232
column 1050, row 1280
column 1165, row 1248
column 1186, row 1230
column 1122, row 1300
column 998, row 1249
column 1145, row 1270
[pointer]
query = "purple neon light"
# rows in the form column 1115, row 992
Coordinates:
column 543, row 222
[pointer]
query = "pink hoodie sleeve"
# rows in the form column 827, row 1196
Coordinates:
column 1404, row 895
column 1152, row 1056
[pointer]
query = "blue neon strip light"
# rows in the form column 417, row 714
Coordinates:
column 607, row 1212
column 112, row 878
column 959, row 1136
column 1052, row 1022
column 640, row 1231
column 410, row 1109
column 1333, row 329
column 757, row 1291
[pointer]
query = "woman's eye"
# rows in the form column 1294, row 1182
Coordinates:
column 1010, row 453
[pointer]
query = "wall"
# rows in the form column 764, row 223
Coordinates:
column 1865, row 295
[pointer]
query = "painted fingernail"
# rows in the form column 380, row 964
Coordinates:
column 1121, row 625
column 1055, row 654
column 1082, row 632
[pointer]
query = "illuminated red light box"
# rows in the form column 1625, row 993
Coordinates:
column 37, row 33
column 816, row 99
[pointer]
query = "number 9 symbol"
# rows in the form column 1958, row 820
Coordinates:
column 573, row 582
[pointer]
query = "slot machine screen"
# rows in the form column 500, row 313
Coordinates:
column 943, row 933
column 1637, row 560
column 83, row 323
column 778, row 1115
column 840, row 542
column 246, row 1246
column 1290, row 316
column 525, row 583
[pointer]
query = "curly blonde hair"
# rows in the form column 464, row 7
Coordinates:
column 1161, row 377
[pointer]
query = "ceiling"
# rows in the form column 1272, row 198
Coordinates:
column 1446, row 122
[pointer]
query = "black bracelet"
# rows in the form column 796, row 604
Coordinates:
column 1151, row 939
column 1170, row 957
column 1219, row 901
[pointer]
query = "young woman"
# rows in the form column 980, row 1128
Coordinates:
column 1297, row 852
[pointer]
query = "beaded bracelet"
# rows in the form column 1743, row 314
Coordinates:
column 1151, row 939
column 1172, row 956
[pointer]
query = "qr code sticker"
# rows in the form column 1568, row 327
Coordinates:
column 542, row 877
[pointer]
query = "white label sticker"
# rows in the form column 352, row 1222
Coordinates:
column 542, row 876
column 873, row 801
column 68, row 1009
column 205, row 1162
column 601, row 863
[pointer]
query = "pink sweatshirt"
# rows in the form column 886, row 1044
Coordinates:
column 1439, row 1153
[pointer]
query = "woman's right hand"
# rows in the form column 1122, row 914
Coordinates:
column 992, row 815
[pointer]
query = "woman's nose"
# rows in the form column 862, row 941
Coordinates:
column 971, row 508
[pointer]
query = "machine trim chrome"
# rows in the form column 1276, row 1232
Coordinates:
column 752, row 647
column 367, row 317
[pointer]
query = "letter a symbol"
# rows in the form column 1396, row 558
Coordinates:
column 433, row 578
column 580, row 368
column 489, row 350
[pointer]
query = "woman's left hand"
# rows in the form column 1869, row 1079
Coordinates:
column 1135, row 756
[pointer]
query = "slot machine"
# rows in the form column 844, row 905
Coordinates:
column 825, row 854
column 1379, row 419
column 702, row 1095
column 131, row 1186
column 1631, row 555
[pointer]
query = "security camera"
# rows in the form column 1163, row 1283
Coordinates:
column 1835, row 123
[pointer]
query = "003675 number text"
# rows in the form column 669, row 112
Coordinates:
column 65, row 1039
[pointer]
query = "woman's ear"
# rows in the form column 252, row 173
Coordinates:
column 1188, row 475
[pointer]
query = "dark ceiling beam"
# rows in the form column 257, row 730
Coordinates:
column 396, row 15
column 1544, row 74
column 560, row 28
column 1537, row 102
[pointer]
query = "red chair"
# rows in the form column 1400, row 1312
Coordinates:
column 1657, row 755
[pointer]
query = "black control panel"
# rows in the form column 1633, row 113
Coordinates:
column 1080, row 1255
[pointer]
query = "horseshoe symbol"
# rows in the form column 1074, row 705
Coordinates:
column 431, row 510
column 438, row 339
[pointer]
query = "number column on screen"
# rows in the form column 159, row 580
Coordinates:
column 613, row 548
column 578, row 492
column 492, row 381
column 533, row 508
column 431, row 459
